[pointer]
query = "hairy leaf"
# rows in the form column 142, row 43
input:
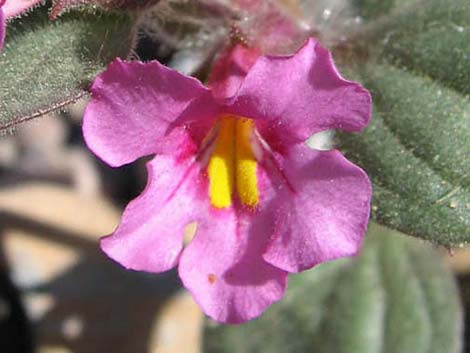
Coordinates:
column 416, row 149
column 46, row 64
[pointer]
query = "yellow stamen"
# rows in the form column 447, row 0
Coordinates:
column 221, row 165
column 247, row 181
column 233, row 164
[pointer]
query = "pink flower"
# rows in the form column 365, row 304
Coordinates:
column 232, row 158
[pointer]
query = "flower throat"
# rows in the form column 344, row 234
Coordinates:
column 232, row 165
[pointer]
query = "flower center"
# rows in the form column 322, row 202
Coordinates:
column 232, row 165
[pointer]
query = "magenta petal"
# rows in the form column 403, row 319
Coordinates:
column 230, row 69
column 150, row 235
column 134, row 108
column 223, row 268
column 324, row 212
column 296, row 96
column 13, row 8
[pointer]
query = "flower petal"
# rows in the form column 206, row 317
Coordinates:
column 150, row 235
column 296, row 96
column 133, row 111
column 322, row 213
column 223, row 268
column 230, row 69
column 13, row 8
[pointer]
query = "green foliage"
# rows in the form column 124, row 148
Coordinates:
column 370, row 9
column 416, row 149
column 46, row 64
column 395, row 297
column 430, row 39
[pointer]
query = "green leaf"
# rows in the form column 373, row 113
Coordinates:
column 417, row 153
column 372, row 8
column 395, row 297
column 416, row 149
column 431, row 38
column 47, row 64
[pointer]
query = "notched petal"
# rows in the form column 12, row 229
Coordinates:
column 327, row 216
column 223, row 268
column 293, row 97
column 150, row 235
column 133, row 110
